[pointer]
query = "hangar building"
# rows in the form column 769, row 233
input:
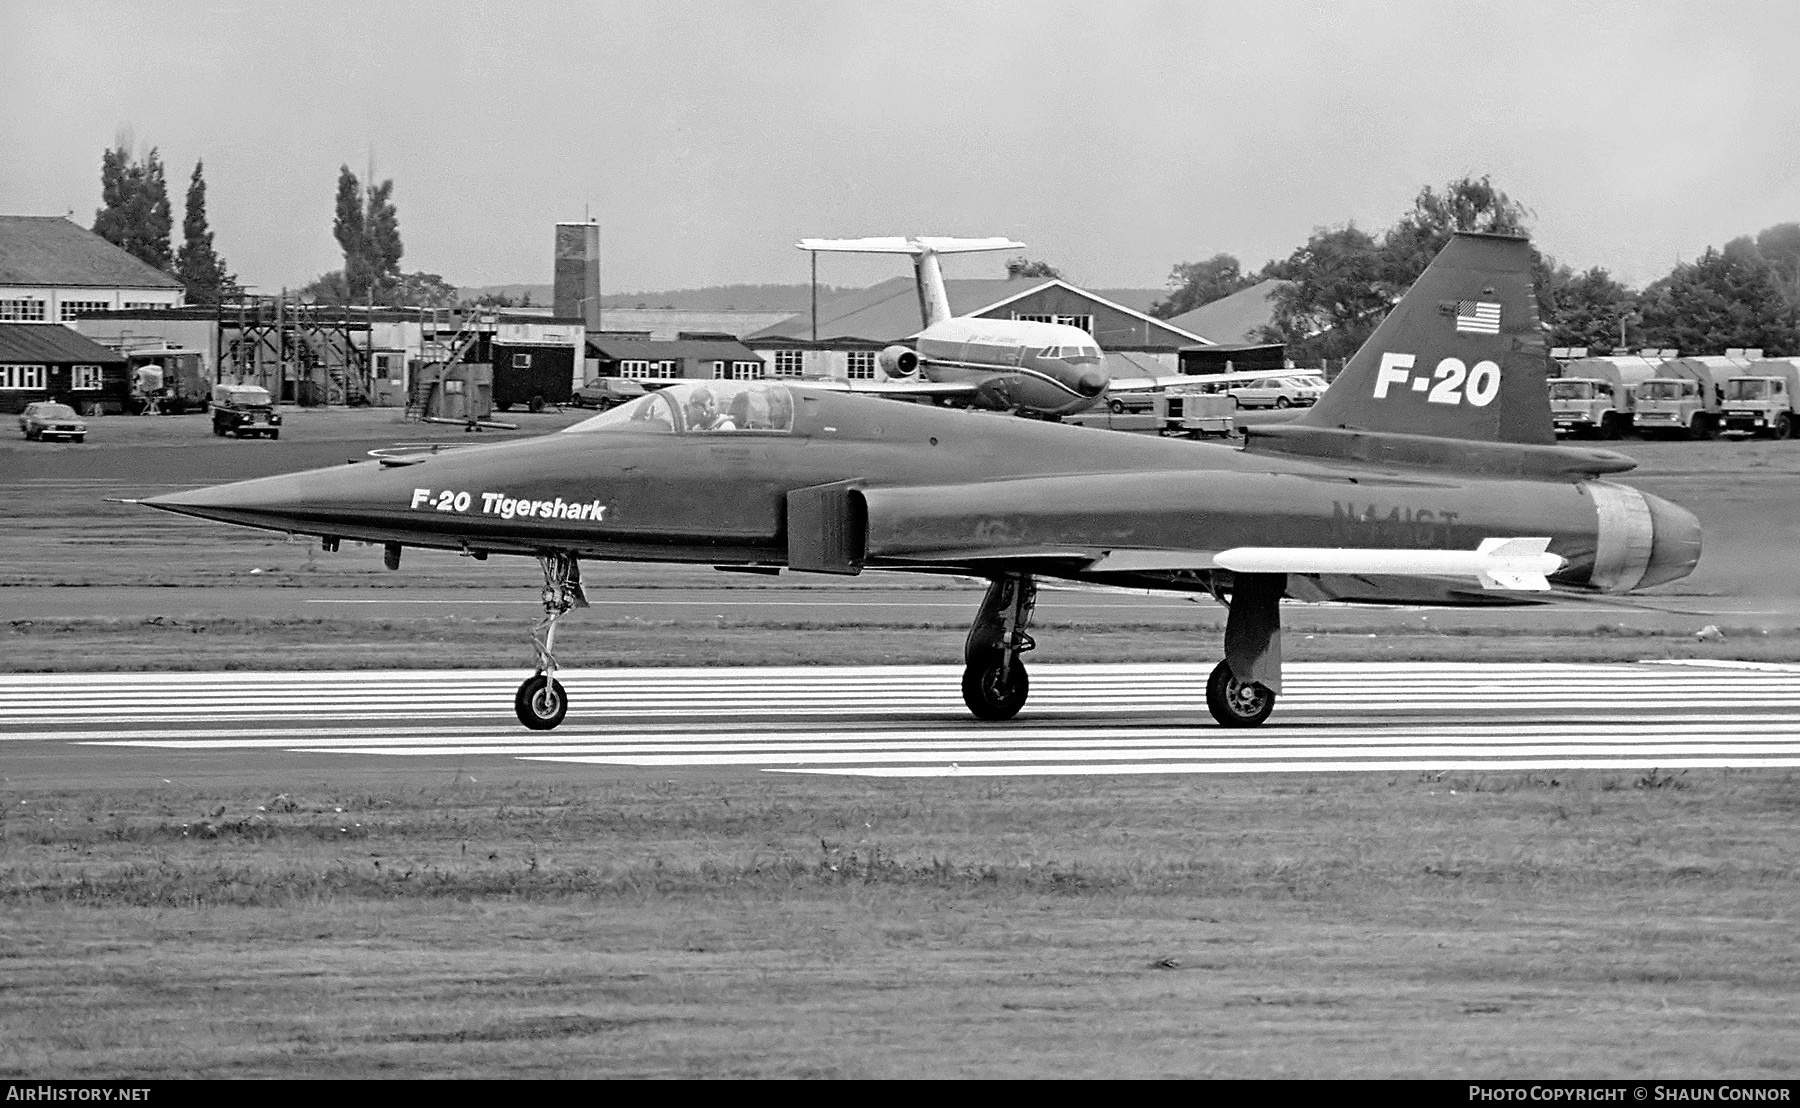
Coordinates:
column 52, row 271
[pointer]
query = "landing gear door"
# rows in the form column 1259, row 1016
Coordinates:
column 827, row 529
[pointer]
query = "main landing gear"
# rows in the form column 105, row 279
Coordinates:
column 541, row 702
column 1240, row 692
column 995, row 683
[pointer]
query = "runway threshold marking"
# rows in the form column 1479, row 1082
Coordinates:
column 910, row 721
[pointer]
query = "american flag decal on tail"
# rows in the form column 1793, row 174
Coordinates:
column 1478, row 317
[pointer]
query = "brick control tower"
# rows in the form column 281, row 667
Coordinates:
column 577, row 278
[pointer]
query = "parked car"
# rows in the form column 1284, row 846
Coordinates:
column 1277, row 392
column 604, row 392
column 1137, row 400
column 244, row 410
column 47, row 419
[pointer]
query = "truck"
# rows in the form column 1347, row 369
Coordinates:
column 1683, row 398
column 1593, row 396
column 167, row 379
column 1764, row 400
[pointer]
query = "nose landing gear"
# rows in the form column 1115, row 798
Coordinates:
column 541, row 702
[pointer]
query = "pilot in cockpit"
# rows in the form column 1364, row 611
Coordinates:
column 703, row 413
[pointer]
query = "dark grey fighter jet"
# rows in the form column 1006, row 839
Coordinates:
column 1428, row 473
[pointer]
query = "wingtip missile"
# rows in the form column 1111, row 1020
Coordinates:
column 1517, row 564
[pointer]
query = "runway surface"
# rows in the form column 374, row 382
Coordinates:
column 909, row 721
column 801, row 597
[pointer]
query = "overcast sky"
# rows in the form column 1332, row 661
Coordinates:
column 1116, row 138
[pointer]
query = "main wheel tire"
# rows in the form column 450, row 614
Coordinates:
column 537, row 404
column 540, row 703
column 1282, row 402
column 987, row 695
column 1784, row 426
column 1117, row 407
column 1235, row 703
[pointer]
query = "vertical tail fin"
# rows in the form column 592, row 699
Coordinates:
column 934, row 303
column 1461, row 356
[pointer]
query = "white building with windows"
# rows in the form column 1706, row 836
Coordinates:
column 51, row 271
column 709, row 357
column 56, row 363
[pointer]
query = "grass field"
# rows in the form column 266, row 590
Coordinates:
column 434, row 920
column 1428, row 926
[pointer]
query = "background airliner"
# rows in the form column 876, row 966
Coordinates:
column 1047, row 370
column 1044, row 369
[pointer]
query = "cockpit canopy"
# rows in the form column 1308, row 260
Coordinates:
column 692, row 407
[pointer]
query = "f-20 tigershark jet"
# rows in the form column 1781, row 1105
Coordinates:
column 1428, row 473
column 1009, row 365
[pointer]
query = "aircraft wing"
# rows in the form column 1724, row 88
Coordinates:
column 1189, row 380
column 901, row 389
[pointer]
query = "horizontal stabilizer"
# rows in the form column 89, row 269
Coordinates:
column 1519, row 564
column 909, row 245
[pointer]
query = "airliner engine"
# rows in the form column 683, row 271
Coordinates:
column 898, row 361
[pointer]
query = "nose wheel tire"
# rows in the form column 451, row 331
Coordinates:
column 541, row 702
column 991, row 697
column 1236, row 703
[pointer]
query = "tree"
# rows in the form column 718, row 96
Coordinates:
column 1192, row 284
column 135, row 216
column 408, row 290
column 1729, row 298
column 197, row 263
column 423, row 290
column 1334, row 296
column 1467, row 204
column 367, row 228
column 328, row 288
column 383, row 224
column 1780, row 247
column 350, row 230
column 1022, row 266
column 1589, row 310
column 1342, row 282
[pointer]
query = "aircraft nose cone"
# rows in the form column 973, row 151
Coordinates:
column 1091, row 383
column 1674, row 543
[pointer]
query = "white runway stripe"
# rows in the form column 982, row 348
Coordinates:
column 1088, row 719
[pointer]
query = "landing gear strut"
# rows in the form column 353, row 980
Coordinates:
column 1241, row 690
column 995, row 683
column 541, row 702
